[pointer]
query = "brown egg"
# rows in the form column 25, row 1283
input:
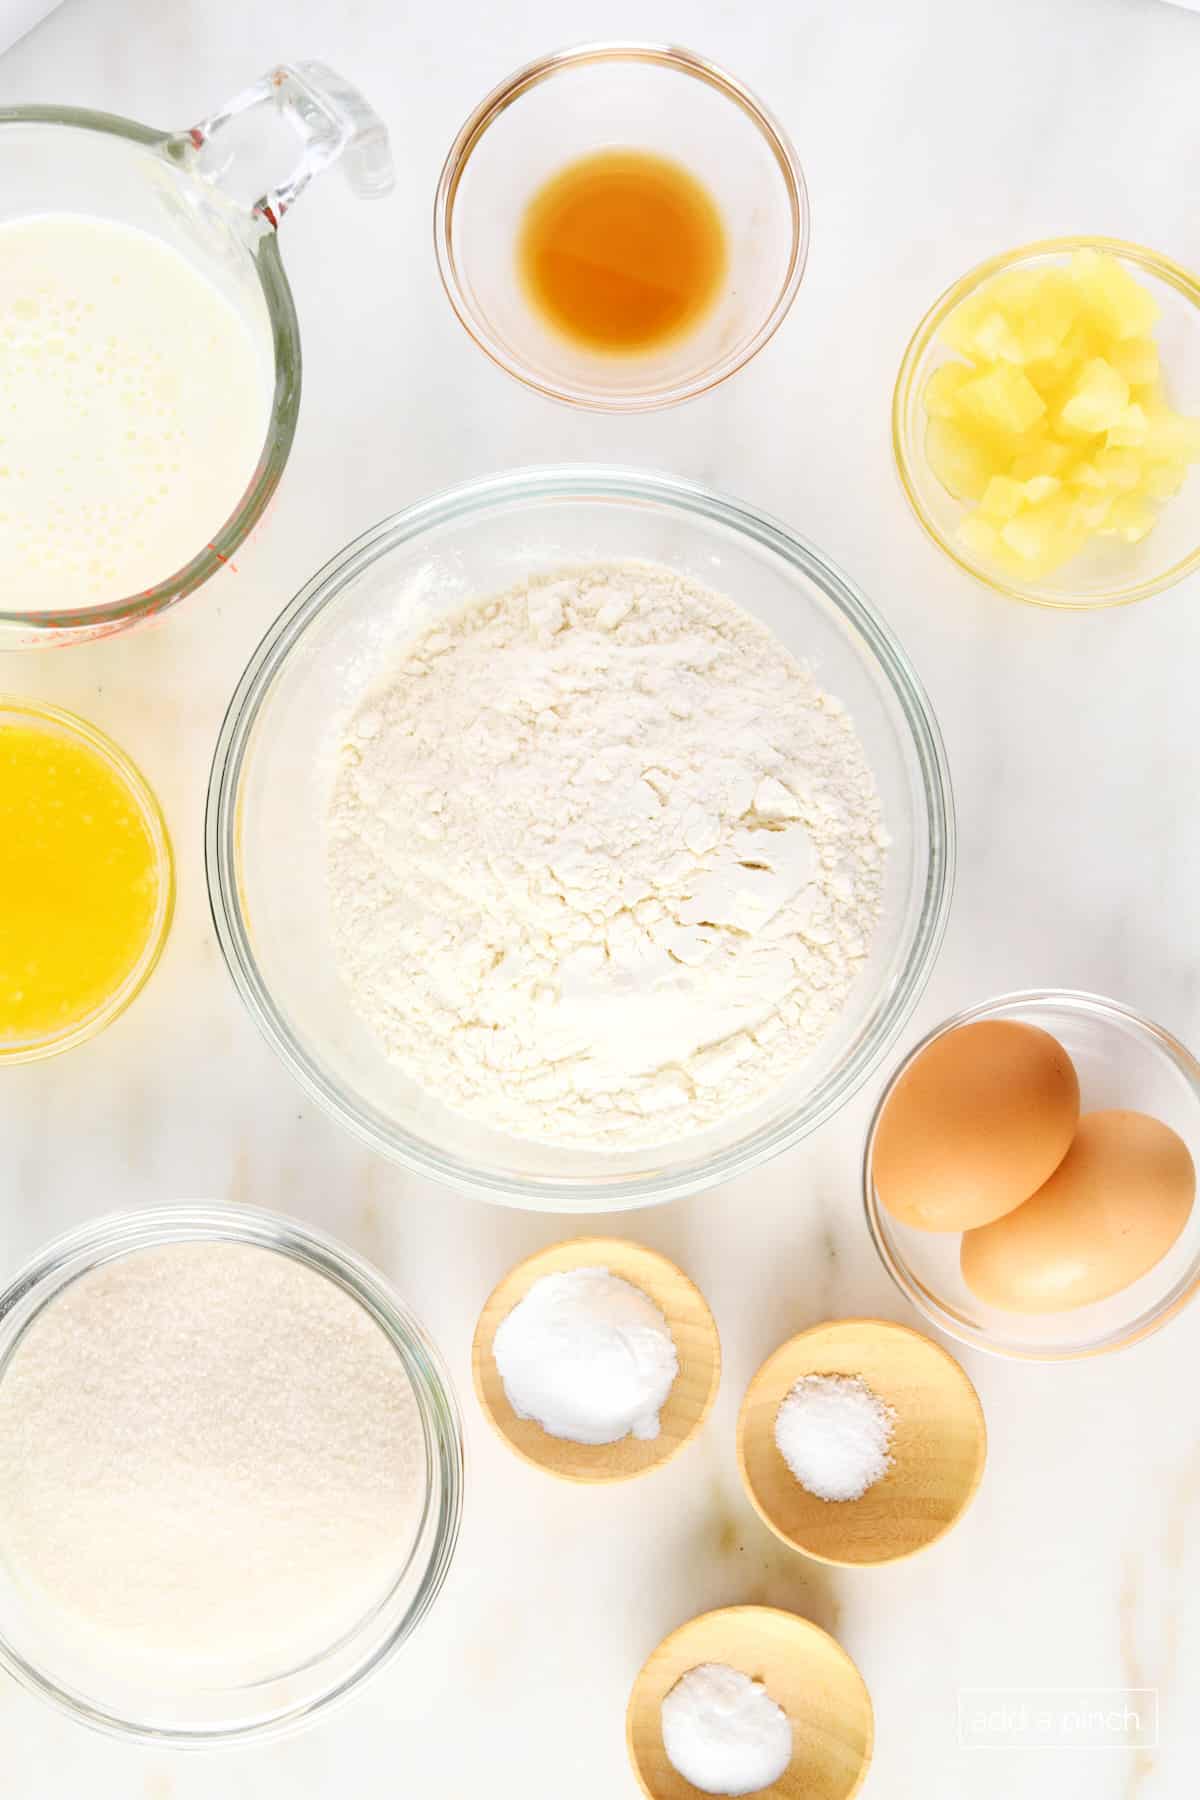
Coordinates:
column 1112, row 1208
column 975, row 1126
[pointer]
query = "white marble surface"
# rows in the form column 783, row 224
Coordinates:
column 931, row 133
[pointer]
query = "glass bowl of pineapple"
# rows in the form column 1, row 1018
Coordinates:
column 1046, row 422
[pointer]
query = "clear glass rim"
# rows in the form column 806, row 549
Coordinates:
column 222, row 828
column 923, row 1298
column 68, row 623
column 70, row 724
column 907, row 454
column 117, row 1234
column 686, row 62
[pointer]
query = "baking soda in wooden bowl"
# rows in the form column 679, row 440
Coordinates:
column 589, row 1356
column 596, row 1359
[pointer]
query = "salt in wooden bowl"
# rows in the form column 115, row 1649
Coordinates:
column 939, row 1444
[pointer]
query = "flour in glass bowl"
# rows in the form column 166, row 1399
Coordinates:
column 604, row 861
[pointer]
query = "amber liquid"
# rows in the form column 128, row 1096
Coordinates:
column 622, row 251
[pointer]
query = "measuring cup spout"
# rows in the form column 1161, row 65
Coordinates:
column 248, row 147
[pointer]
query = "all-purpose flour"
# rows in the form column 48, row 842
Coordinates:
column 604, row 861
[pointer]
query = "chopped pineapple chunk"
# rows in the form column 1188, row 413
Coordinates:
column 1002, row 499
column 1043, row 536
column 1091, row 510
column 995, row 338
column 1130, row 429
column 1120, row 468
column 1171, row 436
column 1136, row 359
column 942, row 389
column 1097, row 400
column 1056, row 428
column 979, row 537
column 960, row 328
column 1130, row 518
column 961, row 463
column 1110, row 469
column 1049, row 314
column 1047, row 458
column 1164, row 479
column 1119, row 304
column 1004, row 398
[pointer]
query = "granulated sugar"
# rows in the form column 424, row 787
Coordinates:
column 604, row 860
column 210, row 1455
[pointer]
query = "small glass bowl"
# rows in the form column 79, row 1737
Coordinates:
column 93, row 1691
column 69, row 725
column 651, row 97
column 1105, row 573
column 1122, row 1060
column 266, row 847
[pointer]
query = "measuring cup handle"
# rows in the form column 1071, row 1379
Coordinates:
column 257, row 130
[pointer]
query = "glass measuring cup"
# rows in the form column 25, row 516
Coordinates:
column 215, row 194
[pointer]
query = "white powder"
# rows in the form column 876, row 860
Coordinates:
column 587, row 1355
column 604, row 861
column 210, row 1455
column 835, row 1433
column 724, row 1733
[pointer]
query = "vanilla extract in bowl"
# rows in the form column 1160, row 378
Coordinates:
column 623, row 251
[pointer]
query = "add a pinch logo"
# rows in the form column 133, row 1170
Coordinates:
column 1058, row 1718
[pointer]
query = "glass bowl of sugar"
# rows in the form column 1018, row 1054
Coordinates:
column 230, row 1474
column 579, row 838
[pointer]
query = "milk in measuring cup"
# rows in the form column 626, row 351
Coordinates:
column 134, row 406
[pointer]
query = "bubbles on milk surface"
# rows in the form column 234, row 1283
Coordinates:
column 133, row 409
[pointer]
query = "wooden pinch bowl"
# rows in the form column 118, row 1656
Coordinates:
column 804, row 1670
column 696, row 1344
column 939, row 1444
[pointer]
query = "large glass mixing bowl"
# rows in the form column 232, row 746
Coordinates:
column 274, row 763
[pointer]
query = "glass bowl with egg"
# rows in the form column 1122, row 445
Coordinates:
column 674, row 219
column 1067, row 474
column 1067, row 1263
column 276, row 765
